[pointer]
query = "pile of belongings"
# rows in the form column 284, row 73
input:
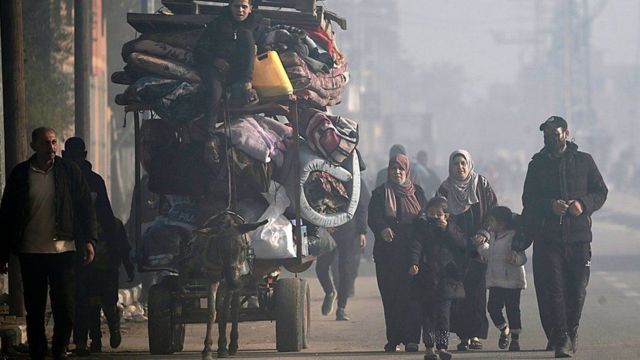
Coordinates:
column 191, row 164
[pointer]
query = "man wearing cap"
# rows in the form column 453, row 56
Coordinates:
column 46, row 217
column 98, row 282
column 563, row 188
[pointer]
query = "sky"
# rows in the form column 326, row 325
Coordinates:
column 461, row 32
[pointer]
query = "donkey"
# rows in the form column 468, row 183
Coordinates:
column 220, row 251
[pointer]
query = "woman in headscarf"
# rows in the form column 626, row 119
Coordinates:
column 470, row 199
column 392, row 210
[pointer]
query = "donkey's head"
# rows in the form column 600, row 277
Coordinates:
column 227, row 243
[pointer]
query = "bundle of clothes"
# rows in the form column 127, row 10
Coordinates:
column 248, row 157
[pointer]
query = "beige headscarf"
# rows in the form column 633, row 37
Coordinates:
column 461, row 193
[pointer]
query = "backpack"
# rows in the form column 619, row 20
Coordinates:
column 333, row 137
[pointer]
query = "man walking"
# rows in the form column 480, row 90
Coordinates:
column 563, row 188
column 47, row 216
column 98, row 282
column 350, row 240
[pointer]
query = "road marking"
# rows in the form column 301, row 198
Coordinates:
column 631, row 293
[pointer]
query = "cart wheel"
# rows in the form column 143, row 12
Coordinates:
column 298, row 268
column 291, row 317
column 165, row 336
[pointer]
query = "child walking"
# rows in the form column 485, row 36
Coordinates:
column 435, row 255
column 505, row 277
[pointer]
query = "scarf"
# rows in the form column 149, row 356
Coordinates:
column 401, row 196
column 461, row 193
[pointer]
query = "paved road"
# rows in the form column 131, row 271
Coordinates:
column 610, row 326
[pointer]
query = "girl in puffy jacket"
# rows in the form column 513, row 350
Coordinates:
column 505, row 277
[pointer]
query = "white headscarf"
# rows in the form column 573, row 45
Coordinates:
column 461, row 193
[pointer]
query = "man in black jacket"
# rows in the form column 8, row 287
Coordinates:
column 563, row 188
column 97, row 283
column 226, row 52
column 225, row 55
column 47, row 216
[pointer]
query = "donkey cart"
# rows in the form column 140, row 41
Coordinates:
column 215, row 277
column 187, row 298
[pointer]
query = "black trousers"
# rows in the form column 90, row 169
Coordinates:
column 500, row 298
column 469, row 315
column 435, row 323
column 344, row 262
column 542, row 292
column 96, row 289
column 401, row 312
column 565, row 270
column 39, row 273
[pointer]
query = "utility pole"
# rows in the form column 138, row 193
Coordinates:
column 82, row 63
column 15, row 118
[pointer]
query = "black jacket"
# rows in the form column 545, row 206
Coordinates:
column 112, row 247
column 439, row 255
column 395, row 251
column 75, row 215
column 219, row 39
column 102, row 205
column 572, row 176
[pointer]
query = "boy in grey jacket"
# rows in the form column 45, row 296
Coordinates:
column 505, row 277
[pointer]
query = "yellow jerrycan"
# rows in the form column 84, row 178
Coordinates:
column 269, row 77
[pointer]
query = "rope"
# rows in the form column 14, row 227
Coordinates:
column 229, row 155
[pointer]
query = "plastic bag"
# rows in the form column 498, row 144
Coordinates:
column 274, row 240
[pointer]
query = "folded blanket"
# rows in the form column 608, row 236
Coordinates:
column 262, row 138
column 163, row 67
column 157, row 49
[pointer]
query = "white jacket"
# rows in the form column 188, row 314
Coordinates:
column 501, row 273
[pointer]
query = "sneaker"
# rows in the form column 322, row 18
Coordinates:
column 327, row 303
column 430, row 354
column 341, row 315
column 563, row 347
column 464, row 345
column 503, row 341
column 242, row 95
column 515, row 345
column 390, row 348
column 475, row 344
column 444, row 354
column 411, row 347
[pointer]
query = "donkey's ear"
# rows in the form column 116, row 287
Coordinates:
column 245, row 228
column 204, row 231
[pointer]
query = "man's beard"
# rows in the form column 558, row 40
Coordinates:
column 555, row 145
